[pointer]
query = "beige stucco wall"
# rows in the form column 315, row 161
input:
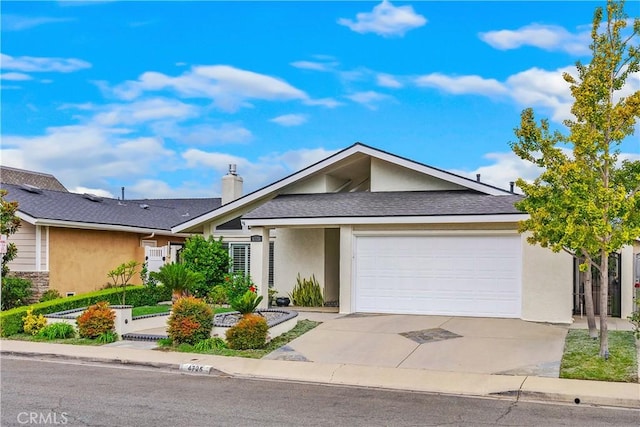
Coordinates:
column 81, row 259
column 627, row 281
column 297, row 250
column 547, row 279
column 386, row 176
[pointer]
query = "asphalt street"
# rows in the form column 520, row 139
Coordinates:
column 44, row 392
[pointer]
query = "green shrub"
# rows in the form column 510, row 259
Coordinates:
column 96, row 320
column 11, row 320
column 236, row 285
column 107, row 337
column 16, row 292
column 218, row 295
column 247, row 303
column 213, row 343
column 249, row 333
column 307, row 293
column 208, row 257
column 56, row 331
column 33, row 324
column 50, row 295
column 178, row 278
column 191, row 321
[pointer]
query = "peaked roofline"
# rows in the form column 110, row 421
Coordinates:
column 357, row 147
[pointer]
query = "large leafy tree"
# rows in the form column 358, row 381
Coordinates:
column 586, row 201
column 208, row 257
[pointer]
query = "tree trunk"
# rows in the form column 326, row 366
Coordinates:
column 588, row 303
column 604, row 304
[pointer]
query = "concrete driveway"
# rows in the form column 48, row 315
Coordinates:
column 439, row 343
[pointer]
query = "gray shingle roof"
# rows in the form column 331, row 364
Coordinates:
column 385, row 204
column 159, row 214
column 20, row 176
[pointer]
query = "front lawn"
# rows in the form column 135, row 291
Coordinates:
column 581, row 360
column 301, row 327
column 73, row 341
column 149, row 309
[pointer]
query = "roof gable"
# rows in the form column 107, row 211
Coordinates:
column 37, row 179
column 346, row 171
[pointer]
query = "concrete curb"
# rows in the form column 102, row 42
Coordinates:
column 509, row 387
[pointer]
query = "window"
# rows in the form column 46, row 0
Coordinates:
column 240, row 254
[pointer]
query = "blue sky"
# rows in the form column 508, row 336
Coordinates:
column 160, row 97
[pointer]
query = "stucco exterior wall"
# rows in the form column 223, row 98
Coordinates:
column 547, row 279
column 81, row 259
column 386, row 176
column 298, row 250
column 332, row 264
column 627, row 281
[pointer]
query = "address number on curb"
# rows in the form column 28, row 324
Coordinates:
column 195, row 369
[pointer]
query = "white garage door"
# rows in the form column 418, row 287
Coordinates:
column 438, row 275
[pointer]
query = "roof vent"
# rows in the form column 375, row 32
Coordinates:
column 92, row 197
column 31, row 188
column 144, row 206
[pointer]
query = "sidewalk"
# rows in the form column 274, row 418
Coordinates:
column 511, row 387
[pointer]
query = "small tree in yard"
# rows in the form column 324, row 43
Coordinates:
column 122, row 274
column 207, row 257
column 586, row 202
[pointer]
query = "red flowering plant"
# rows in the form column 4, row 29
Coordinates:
column 236, row 284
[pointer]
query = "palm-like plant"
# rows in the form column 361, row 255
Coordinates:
column 178, row 278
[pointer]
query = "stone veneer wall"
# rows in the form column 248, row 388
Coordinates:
column 39, row 279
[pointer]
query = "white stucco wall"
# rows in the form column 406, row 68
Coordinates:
column 547, row 280
column 386, row 176
column 627, row 281
column 298, row 250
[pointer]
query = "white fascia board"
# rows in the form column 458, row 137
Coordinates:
column 449, row 219
column 26, row 218
column 104, row 227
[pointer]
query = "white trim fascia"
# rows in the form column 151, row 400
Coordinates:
column 417, row 233
column 449, row 219
column 38, row 257
column 337, row 157
column 47, row 252
column 26, row 218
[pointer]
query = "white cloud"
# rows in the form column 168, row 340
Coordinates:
column 15, row 77
column 12, row 22
column 315, row 66
column 462, row 84
column 387, row 80
column 385, row 20
column 95, row 191
column 87, row 155
column 144, row 111
column 542, row 88
column 290, row 120
column 228, row 87
column 504, row 168
column 42, row 64
column 547, row 37
column 369, row 99
column 324, row 102
column 204, row 134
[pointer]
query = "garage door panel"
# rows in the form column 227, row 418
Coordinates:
column 443, row 275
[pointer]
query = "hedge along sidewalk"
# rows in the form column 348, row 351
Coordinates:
column 11, row 320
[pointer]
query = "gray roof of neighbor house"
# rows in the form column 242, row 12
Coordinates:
column 156, row 214
column 21, row 176
column 385, row 204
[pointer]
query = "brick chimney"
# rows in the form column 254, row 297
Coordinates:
column 231, row 186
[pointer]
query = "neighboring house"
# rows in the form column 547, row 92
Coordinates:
column 385, row 234
column 69, row 241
